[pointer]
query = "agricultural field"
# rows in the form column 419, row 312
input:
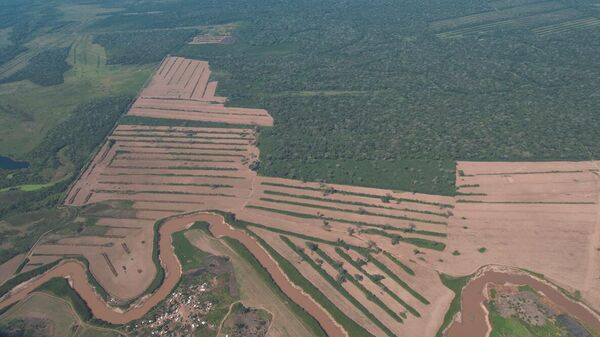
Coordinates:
column 547, row 209
column 366, row 259
column 347, row 172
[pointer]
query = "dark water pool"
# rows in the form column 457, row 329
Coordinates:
column 7, row 163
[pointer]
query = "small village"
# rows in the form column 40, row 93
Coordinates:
column 181, row 314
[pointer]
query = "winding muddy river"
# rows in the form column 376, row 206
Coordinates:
column 76, row 273
column 474, row 316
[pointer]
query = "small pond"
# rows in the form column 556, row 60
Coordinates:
column 7, row 163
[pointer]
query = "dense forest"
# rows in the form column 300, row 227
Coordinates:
column 379, row 93
column 142, row 47
column 46, row 68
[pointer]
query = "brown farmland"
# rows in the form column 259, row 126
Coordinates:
column 537, row 216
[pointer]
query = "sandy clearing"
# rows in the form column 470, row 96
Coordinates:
column 149, row 214
column 114, row 171
column 197, row 140
column 352, row 217
column 310, row 227
column 129, row 127
column 170, row 81
column 210, row 91
column 8, row 268
column 206, row 117
column 180, row 86
column 133, row 223
column 557, row 240
column 366, row 190
column 153, row 197
column 294, row 187
column 136, row 188
column 474, row 168
column 182, row 145
column 174, row 164
column 190, row 152
column 157, row 179
column 41, row 259
column 177, row 157
column 195, row 106
column 356, row 208
column 183, row 135
column 209, row 202
column 376, row 218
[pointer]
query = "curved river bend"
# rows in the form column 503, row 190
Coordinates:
column 474, row 316
column 77, row 274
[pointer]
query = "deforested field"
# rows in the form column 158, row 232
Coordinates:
column 367, row 260
column 180, row 89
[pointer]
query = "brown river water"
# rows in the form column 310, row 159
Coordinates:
column 474, row 318
column 77, row 275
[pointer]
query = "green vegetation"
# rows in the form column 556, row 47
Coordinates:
column 308, row 320
column 60, row 287
column 46, row 69
column 68, row 145
column 141, row 47
column 16, row 280
column 456, row 284
column 513, row 326
column 53, row 309
column 389, row 54
column 189, row 255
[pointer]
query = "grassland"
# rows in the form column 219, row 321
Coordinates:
column 54, row 306
column 29, row 111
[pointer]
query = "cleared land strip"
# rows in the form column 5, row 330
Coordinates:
column 497, row 15
column 584, row 23
column 160, row 128
column 521, row 22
